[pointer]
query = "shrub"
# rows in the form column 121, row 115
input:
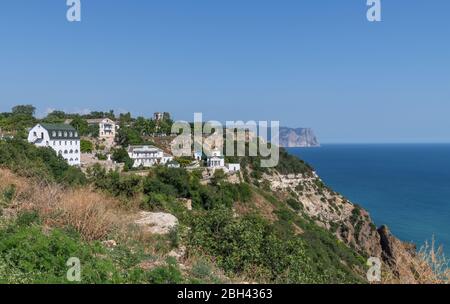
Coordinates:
column 294, row 204
column 42, row 163
column 86, row 146
column 8, row 195
column 167, row 274
column 243, row 245
column 121, row 156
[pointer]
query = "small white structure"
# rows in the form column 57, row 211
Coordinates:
column 173, row 164
column 62, row 138
column 215, row 160
column 148, row 156
column 232, row 168
column 158, row 116
column 198, row 155
column 106, row 128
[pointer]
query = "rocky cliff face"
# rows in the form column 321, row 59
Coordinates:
column 300, row 137
column 348, row 222
column 351, row 224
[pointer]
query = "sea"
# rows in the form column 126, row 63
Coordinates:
column 404, row 186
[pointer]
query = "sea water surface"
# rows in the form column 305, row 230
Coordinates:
column 406, row 187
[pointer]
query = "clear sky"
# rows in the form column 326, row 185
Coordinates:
column 307, row 63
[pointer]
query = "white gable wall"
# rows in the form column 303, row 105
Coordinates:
column 68, row 149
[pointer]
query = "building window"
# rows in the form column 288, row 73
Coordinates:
column 65, row 151
column 59, row 133
column 34, row 134
column 71, row 152
column 54, row 133
column 76, row 134
column 76, row 151
column 65, row 134
column 71, row 134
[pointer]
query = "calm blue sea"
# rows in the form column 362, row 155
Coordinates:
column 406, row 187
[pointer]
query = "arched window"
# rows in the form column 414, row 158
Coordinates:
column 60, row 152
column 71, row 159
column 54, row 133
column 71, row 134
column 65, row 134
column 59, row 133
column 65, row 152
column 76, row 159
column 76, row 151
column 76, row 134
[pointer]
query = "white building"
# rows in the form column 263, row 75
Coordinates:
column 215, row 160
column 148, row 156
column 173, row 164
column 62, row 138
column 106, row 128
column 232, row 168
column 198, row 155
column 158, row 116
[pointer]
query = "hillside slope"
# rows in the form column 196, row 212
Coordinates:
column 279, row 225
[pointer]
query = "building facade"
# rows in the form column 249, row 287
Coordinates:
column 215, row 160
column 62, row 138
column 233, row 168
column 106, row 128
column 148, row 156
column 158, row 116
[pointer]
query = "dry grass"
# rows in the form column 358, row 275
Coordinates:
column 94, row 215
column 428, row 266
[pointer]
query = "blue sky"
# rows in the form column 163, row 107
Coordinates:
column 307, row 63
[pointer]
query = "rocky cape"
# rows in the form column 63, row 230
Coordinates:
column 297, row 138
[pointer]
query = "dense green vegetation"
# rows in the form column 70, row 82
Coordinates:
column 249, row 245
column 287, row 247
column 44, row 163
column 18, row 120
column 86, row 146
column 121, row 156
column 164, row 185
column 29, row 255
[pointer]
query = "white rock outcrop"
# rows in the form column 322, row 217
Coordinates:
column 157, row 222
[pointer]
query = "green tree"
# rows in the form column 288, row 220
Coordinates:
column 27, row 110
column 129, row 136
column 86, row 146
column 80, row 125
column 55, row 117
column 121, row 156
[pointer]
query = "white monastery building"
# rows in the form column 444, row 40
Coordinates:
column 62, row 138
column 148, row 156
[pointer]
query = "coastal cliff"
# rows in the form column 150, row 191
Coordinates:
column 352, row 225
column 297, row 138
column 265, row 225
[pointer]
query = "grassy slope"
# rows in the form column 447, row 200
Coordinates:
column 80, row 218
